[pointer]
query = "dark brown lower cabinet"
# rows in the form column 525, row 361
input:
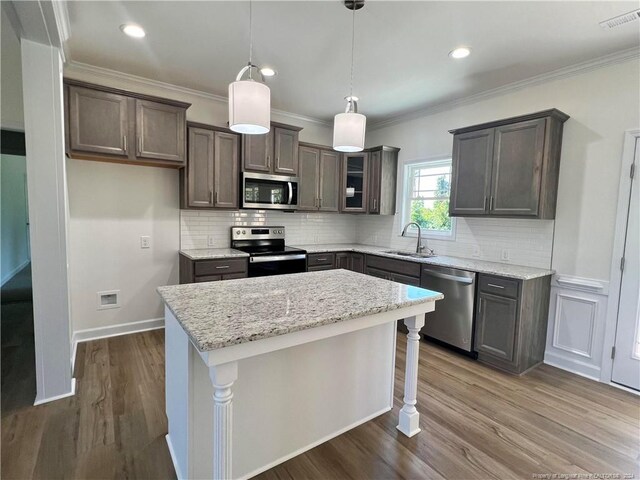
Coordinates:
column 511, row 321
column 350, row 261
column 196, row 271
column 320, row 261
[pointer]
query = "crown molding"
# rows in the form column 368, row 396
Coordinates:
column 61, row 16
column 107, row 73
column 564, row 72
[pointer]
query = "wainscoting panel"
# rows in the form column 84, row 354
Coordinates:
column 575, row 332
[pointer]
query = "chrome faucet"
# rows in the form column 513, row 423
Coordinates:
column 419, row 246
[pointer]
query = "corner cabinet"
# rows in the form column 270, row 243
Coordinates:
column 508, row 168
column 511, row 321
column 210, row 179
column 114, row 125
column 274, row 152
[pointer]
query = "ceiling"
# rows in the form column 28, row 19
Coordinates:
column 401, row 62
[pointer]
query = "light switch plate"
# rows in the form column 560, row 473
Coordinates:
column 504, row 255
column 476, row 251
column 145, row 241
column 211, row 241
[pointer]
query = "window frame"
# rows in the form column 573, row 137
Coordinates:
column 406, row 199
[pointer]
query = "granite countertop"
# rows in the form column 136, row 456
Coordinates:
column 212, row 253
column 221, row 314
column 520, row 272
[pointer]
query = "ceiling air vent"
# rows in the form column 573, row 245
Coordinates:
column 620, row 20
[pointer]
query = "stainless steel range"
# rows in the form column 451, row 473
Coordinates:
column 268, row 254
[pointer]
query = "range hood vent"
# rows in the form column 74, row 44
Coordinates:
column 620, row 20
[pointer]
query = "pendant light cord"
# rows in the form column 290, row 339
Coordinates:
column 250, row 39
column 353, row 41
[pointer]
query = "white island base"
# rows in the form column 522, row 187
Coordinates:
column 237, row 411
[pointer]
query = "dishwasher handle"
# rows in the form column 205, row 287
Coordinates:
column 446, row 276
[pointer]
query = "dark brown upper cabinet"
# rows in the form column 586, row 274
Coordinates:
column 210, row 179
column 383, row 171
column 108, row 124
column 355, row 182
column 318, row 179
column 508, row 167
column 274, row 152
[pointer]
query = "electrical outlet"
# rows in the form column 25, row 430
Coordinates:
column 145, row 241
column 476, row 251
column 504, row 255
column 211, row 241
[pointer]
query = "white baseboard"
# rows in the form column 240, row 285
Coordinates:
column 314, row 444
column 40, row 401
column 179, row 474
column 14, row 272
column 570, row 365
column 112, row 331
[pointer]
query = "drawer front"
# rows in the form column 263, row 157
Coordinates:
column 505, row 287
column 319, row 268
column 405, row 279
column 208, row 278
column 220, row 267
column 317, row 259
column 402, row 267
column 233, row 276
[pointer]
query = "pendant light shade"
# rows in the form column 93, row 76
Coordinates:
column 349, row 129
column 249, row 107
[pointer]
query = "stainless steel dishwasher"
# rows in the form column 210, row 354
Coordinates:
column 452, row 320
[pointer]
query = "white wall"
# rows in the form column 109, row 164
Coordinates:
column 603, row 104
column 14, row 247
column 12, row 116
column 112, row 205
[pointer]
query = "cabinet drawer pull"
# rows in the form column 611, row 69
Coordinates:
column 222, row 267
column 494, row 285
column 321, row 259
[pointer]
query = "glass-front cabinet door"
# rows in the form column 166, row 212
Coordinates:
column 355, row 176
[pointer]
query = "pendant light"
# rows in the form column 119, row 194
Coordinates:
column 349, row 127
column 249, row 100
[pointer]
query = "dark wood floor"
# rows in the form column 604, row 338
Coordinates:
column 476, row 423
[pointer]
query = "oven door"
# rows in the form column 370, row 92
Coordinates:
column 277, row 265
column 263, row 191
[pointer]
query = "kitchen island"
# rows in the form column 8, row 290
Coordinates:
column 259, row 370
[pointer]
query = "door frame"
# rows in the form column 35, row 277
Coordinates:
column 615, row 279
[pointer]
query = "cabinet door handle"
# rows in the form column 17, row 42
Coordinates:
column 484, row 203
column 491, row 203
column 375, row 203
column 211, row 196
column 139, row 145
column 216, row 197
column 124, row 143
column 320, row 202
column 494, row 285
column 268, row 161
column 222, row 267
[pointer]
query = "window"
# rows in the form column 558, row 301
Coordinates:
column 427, row 189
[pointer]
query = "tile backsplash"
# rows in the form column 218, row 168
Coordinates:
column 302, row 228
column 526, row 242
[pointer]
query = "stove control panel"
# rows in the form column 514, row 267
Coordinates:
column 257, row 233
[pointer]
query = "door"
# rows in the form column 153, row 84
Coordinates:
column 285, row 151
column 226, row 170
column 517, row 168
column 98, row 122
column 160, row 131
column 375, row 170
column 355, row 183
column 471, row 173
column 329, row 181
column 496, row 325
column 626, row 363
column 309, row 159
column 200, row 168
column 256, row 152
column 357, row 262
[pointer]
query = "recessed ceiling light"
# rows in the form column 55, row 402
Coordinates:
column 268, row 72
column 133, row 30
column 460, row 52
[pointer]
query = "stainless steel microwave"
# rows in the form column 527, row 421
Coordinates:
column 262, row 191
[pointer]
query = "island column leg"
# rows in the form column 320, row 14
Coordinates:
column 409, row 416
column 222, row 377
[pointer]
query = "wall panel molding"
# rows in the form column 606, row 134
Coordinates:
column 564, row 318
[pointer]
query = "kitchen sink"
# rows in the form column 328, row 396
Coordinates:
column 410, row 254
